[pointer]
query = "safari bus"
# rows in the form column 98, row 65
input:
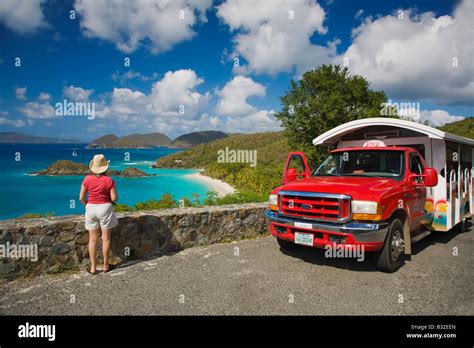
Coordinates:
column 386, row 184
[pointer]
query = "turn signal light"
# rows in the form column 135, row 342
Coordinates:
column 374, row 217
column 345, row 208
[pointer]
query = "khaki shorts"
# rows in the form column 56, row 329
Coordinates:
column 102, row 215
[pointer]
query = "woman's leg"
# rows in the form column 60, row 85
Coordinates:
column 106, row 246
column 93, row 236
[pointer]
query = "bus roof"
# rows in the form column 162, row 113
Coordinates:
column 334, row 135
column 375, row 148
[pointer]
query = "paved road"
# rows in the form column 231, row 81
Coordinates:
column 255, row 277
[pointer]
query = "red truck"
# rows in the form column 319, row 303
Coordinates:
column 374, row 195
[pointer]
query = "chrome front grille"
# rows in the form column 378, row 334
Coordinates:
column 314, row 206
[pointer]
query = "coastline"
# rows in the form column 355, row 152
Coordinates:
column 220, row 187
column 26, row 187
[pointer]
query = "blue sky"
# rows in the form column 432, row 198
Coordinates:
column 182, row 76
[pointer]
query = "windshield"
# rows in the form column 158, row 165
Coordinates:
column 378, row 163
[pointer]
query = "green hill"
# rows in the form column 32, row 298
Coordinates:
column 196, row 138
column 464, row 128
column 155, row 139
column 143, row 140
column 272, row 150
column 104, row 141
column 131, row 141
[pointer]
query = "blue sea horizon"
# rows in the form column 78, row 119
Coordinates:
column 22, row 193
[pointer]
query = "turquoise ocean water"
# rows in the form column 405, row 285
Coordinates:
column 21, row 193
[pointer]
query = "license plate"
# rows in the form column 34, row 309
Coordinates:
column 303, row 225
column 304, row 238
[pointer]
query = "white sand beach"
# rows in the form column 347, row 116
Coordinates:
column 220, row 187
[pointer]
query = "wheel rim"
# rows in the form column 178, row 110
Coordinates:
column 397, row 246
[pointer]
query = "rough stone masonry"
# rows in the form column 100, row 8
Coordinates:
column 61, row 242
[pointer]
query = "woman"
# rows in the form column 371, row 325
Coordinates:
column 99, row 209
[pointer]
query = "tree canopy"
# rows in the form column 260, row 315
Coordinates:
column 464, row 128
column 323, row 99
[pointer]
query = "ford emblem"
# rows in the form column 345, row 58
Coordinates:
column 306, row 206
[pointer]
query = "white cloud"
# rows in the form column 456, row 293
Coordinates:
column 177, row 90
column 159, row 110
column 261, row 120
column 44, row 96
column 38, row 110
column 97, row 128
column 270, row 40
column 126, row 76
column 234, row 96
column 176, row 126
column 21, row 93
column 435, row 118
column 15, row 123
column 413, row 57
column 359, row 14
column 130, row 75
column 125, row 106
column 214, row 121
column 172, row 105
column 438, row 118
column 130, row 24
column 22, row 16
column 238, row 114
column 77, row 94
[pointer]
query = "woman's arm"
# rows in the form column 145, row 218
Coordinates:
column 113, row 194
column 82, row 195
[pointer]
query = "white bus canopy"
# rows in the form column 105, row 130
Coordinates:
column 334, row 135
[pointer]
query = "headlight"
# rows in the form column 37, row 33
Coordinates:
column 364, row 207
column 273, row 202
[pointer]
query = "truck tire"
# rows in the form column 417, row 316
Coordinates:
column 287, row 245
column 466, row 223
column 464, row 226
column 390, row 258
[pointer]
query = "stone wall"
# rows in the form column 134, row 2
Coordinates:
column 62, row 242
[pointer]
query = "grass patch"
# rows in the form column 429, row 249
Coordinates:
column 272, row 150
column 37, row 215
column 167, row 201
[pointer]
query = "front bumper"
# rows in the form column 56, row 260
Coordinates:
column 371, row 235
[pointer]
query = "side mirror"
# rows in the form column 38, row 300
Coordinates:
column 291, row 174
column 429, row 178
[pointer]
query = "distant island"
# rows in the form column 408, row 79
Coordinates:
column 112, row 141
column 197, row 138
column 65, row 167
column 141, row 141
column 151, row 140
column 22, row 138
